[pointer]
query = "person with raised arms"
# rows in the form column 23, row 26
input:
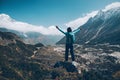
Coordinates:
column 70, row 39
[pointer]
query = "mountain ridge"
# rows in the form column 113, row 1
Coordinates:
column 102, row 25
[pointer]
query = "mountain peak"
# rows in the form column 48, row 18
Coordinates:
column 107, row 13
column 112, row 6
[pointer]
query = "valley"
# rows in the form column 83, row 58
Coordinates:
column 20, row 61
column 31, row 52
column 94, row 61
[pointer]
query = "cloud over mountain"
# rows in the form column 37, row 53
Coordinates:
column 82, row 20
column 7, row 22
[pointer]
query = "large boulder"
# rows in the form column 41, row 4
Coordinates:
column 69, row 66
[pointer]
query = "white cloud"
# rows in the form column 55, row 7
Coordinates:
column 82, row 20
column 9, row 23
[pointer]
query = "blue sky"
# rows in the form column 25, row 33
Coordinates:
column 50, row 12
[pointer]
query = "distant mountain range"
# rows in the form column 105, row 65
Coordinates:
column 102, row 28
column 34, row 37
column 29, row 33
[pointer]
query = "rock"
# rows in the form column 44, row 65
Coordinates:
column 67, row 65
column 39, row 45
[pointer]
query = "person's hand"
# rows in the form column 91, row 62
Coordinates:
column 56, row 27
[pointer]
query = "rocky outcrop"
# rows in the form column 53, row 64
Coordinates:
column 16, row 62
column 39, row 45
column 67, row 65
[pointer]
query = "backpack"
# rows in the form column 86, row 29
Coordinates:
column 70, row 38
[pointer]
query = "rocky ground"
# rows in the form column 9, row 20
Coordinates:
column 20, row 61
column 93, row 62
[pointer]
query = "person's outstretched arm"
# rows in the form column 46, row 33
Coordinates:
column 60, row 30
column 75, row 31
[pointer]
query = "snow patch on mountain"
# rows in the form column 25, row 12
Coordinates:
column 112, row 6
column 115, row 54
column 95, row 35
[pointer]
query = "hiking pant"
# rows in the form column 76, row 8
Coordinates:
column 69, row 46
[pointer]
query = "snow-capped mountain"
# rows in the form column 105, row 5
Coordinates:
column 102, row 28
